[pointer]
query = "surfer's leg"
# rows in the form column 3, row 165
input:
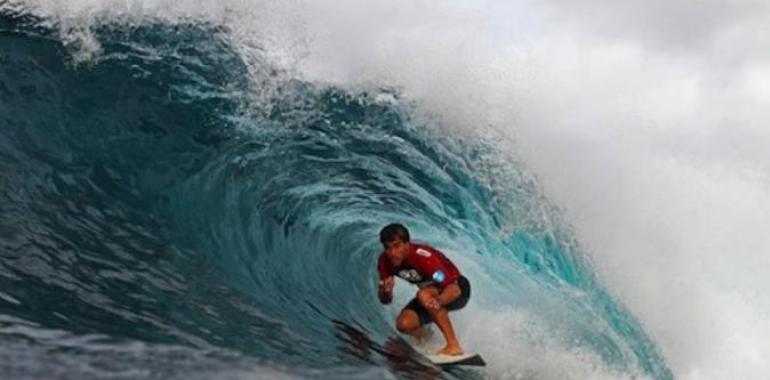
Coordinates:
column 410, row 322
column 441, row 318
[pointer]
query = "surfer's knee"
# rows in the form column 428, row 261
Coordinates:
column 407, row 323
column 404, row 326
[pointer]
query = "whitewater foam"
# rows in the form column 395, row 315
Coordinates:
column 657, row 158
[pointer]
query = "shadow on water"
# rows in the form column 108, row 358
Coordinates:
column 395, row 353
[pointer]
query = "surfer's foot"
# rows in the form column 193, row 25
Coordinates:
column 452, row 350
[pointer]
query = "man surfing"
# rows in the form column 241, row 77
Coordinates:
column 442, row 287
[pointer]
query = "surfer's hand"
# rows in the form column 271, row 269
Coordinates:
column 387, row 284
column 385, row 298
column 385, row 291
column 434, row 304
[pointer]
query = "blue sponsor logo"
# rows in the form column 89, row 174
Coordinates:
column 438, row 276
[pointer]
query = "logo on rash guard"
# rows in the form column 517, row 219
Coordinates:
column 410, row 275
column 439, row 276
column 423, row 252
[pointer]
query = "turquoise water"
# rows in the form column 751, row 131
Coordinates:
column 158, row 221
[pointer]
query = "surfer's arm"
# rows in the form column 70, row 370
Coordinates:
column 449, row 294
column 446, row 296
column 385, row 291
column 387, row 281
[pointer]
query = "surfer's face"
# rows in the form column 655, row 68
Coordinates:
column 396, row 251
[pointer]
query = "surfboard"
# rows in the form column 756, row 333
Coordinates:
column 465, row 359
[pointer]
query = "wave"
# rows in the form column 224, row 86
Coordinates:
column 165, row 202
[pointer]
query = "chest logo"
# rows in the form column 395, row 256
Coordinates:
column 410, row 275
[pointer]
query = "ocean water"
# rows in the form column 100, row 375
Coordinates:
column 177, row 204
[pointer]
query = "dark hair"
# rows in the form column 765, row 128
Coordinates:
column 393, row 231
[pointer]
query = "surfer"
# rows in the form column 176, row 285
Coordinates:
column 442, row 287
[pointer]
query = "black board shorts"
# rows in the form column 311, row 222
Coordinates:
column 459, row 303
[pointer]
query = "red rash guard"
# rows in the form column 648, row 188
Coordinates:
column 420, row 263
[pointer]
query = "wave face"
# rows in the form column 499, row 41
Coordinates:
column 158, row 220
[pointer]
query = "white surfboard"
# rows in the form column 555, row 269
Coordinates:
column 469, row 358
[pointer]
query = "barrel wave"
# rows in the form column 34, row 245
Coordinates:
column 169, row 211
